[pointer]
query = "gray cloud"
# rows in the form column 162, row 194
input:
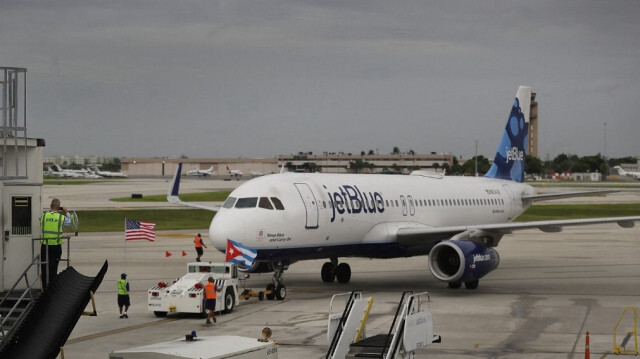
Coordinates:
column 245, row 78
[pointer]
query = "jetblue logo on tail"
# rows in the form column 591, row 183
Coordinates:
column 509, row 160
column 513, row 154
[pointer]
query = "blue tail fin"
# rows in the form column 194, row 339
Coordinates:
column 509, row 160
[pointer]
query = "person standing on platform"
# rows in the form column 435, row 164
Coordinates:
column 52, row 225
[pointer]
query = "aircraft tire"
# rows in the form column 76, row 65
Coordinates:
column 229, row 300
column 271, row 291
column 343, row 273
column 160, row 314
column 281, row 292
column 455, row 285
column 472, row 284
column 328, row 272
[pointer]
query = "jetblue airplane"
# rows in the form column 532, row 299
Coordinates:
column 456, row 221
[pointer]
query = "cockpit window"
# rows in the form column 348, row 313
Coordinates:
column 229, row 202
column 264, row 203
column 277, row 203
column 248, row 202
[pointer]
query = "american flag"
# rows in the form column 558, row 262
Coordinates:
column 135, row 230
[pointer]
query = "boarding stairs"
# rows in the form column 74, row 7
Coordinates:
column 17, row 303
column 411, row 329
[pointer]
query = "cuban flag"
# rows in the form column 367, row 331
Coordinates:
column 237, row 253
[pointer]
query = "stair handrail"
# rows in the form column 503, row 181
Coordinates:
column 4, row 334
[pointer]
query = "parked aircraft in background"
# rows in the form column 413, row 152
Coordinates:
column 109, row 174
column 198, row 172
column 69, row 173
column 236, row 173
column 621, row 172
column 457, row 221
column 256, row 173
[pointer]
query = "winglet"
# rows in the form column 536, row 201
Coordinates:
column 172, row 194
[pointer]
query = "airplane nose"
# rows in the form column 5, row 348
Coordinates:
column 226, row 227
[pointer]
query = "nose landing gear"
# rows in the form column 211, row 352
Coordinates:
column 276, row 290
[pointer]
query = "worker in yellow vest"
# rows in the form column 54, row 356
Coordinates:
column 210, row 295
column 52, row 225
column 123, row 296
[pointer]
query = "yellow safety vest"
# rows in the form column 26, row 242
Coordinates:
column 122, row 287
column 51, row 224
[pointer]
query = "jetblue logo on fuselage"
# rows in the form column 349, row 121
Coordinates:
column 351, row 200
column 513, row 154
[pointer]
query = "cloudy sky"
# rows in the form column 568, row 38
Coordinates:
column 237, row 78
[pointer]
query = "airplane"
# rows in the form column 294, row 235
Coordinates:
column 456, row 221
column 198, row 172
column 109, row 173
column 256, row 173
column 237, row 173
column 621, row 172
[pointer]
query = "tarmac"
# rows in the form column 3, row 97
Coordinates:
column 550, row 289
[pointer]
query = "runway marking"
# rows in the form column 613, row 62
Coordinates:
column 120, row 330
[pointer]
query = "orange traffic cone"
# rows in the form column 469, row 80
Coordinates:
column 587, row 353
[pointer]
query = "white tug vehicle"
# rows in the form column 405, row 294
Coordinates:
column 186, row 295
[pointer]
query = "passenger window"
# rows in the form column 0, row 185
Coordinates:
column 277, row 203
column 248, row 202
column 264, row 203
column 229, row 202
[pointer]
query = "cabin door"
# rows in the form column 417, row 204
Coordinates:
column 310, row 205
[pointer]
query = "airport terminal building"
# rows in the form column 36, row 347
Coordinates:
column 301, row 162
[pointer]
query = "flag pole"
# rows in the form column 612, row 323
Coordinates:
column 125, row 245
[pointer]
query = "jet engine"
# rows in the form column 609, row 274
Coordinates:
column 462, row 261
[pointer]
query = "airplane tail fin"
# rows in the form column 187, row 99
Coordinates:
column 620, row 171
column 509, row 160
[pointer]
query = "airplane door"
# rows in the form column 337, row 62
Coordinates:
column 404, row 205
column 412, row 207
column 509, row 199
column 310, row 204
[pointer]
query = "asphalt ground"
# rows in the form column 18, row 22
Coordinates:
column 549, row 290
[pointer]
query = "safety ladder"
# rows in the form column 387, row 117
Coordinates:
column 348, row 327
column 631, row 333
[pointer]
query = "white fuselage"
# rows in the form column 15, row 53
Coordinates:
column 339, row 215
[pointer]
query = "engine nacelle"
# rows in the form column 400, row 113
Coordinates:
column 457, row 261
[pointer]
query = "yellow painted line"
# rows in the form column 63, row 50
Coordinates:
column 120, row 330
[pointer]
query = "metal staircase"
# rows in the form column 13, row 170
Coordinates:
column 17, row 303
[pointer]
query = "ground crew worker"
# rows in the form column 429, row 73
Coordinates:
column 210, row 296
column 199, row 244
column 123, row 295
column 51, row 224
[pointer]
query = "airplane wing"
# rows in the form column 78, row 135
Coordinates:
column 172, row 195
column 411, row 236
column 550, row 196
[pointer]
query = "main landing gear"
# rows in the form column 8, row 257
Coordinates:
column 469, row 285
column 276, row 289
column 332, row 270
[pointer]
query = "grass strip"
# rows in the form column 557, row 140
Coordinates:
column 165, row 219
column 544, row 212
column 218, row 196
